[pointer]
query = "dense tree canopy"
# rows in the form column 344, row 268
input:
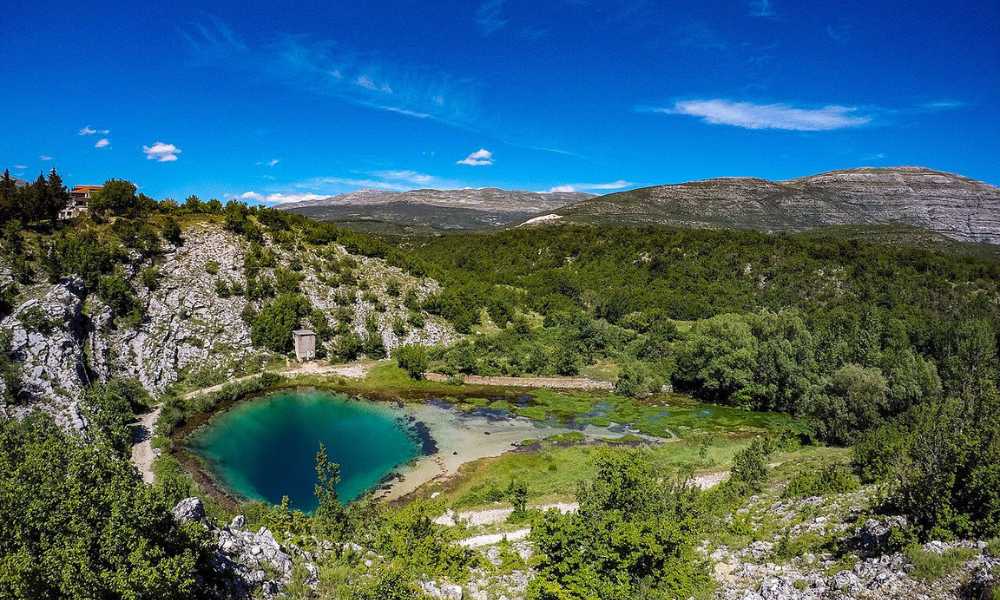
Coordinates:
column 77, row 522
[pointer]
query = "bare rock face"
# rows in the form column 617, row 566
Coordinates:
column 951, row 205
column 47, row 338
column 255, row 564
column 186, row 323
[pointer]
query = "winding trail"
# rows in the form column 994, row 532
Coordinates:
column 143, row 453
column 354, row 370
column 495, row 516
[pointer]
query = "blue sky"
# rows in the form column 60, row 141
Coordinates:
column 274, row 104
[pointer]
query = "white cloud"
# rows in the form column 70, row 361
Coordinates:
column 280, row 198
column 20, row 167
column 584, row 187
column 268, row 163
column 405, row 175
column 161, row 152
column 102, row 143
column 44, row 157
column 251, row 196
column 943, row 105
column 369, row 84
column 362, row 183
column 761, row 8
column 768, row 116
column 479, row 158
column 88, row 130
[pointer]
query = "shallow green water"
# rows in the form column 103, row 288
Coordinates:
column 265, row 449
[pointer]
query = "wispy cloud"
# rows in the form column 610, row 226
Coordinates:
column 268, row 163
column 20, row 167
column 839, row 33
column 761, row 8
column 279, row 198
column 749, row 115
column 88, row 130
column 407, row 176
column 479, row 158
column 489, row 16
column 161, row 152
column 393, row 180
column 329, row 68
column 943, row 105
column 45, row 157
column 102, row 143
column 590, row 187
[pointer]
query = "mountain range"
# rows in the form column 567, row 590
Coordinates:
column 432, row 210
column 947, row 204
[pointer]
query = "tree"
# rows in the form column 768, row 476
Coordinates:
column 77, row 522
column 117, row 197
column 172, row 231
column 630, row 533
column 855, row 400
column 8, row 198
column 36, row 202
column 57, row 197
column 718, row 359
column 413, row 359
column 517, row 493
column 272, row 328
column 329, row 510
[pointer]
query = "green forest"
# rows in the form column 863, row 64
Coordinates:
column 890, row 350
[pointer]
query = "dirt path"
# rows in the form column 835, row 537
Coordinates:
column 492, row 539
column 494, row 516
column 476, row 518
column 562, row 383
column 355, row 370
column 143, row 453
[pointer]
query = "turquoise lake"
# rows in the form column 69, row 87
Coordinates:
column 264, row 449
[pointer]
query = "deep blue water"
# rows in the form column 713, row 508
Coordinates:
column 265, row 449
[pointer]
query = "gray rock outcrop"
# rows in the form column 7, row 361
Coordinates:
column 47, row 338
column 253, row 563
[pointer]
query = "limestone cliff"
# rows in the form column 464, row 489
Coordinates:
column 64, row 338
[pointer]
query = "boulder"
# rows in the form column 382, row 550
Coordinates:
column 872, row 537
column 189, row 510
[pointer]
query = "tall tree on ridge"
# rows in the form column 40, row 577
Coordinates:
column 57, row 197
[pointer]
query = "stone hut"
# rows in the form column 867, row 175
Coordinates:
column 305, row 344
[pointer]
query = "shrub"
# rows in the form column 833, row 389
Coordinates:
column 150, row 278
column 272, row 328
column 832, row 479
column 413, row 359
column 172, row 231
column 749, row 470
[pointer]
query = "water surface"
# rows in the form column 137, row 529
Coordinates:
column 265, row 449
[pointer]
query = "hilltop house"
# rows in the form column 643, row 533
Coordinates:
column 78, row 198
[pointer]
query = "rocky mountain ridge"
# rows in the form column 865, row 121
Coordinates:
column 956, row 207
column 459, row 209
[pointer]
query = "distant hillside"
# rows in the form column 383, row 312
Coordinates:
column 951, row 205
column 423, row 210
